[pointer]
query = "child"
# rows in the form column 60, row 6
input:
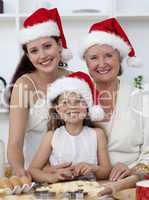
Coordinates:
column 70, row 139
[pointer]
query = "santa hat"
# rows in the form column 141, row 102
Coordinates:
column 110, row 32
column 80, row 83
column 44, row 22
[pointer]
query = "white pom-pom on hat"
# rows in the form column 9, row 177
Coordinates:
column 66, row 55
column 96, row 113
column 135, row 62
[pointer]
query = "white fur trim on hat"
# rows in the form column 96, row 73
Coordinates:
column 101, row 37
column 69, row 84
column 30, row 33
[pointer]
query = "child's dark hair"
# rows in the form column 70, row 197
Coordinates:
column 55, row 121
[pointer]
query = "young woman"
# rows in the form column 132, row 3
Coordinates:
column 70, row 137
column 45, row 52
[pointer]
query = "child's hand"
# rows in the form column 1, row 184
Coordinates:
column 83, row 169
column 60, row 175
column 55, row 177
column 66, row 173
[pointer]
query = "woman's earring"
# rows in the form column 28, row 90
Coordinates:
column 62, row 122
column 60, row 51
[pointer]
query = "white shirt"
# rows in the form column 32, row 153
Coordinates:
column 128, row 139
column 75, row 149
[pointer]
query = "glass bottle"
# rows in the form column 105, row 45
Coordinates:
column 2, row 158
column 1, row 6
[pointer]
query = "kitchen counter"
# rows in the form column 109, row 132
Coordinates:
column 129, row 194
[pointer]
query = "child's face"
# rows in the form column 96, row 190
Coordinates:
column 71, row 107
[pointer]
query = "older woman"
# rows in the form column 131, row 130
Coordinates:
column 106, row 49
column 45, row 51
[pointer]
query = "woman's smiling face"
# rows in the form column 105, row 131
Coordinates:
column 103, row 62
column 44, row 53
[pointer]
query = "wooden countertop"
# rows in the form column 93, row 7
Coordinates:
column 128, row 194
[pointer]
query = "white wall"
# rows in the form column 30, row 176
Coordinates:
column 137, row 30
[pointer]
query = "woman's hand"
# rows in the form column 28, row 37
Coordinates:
column 53, row 168
column 106, row 191
column 119, row 171
column 109, row 189
column 83, row 169
column 22, row 172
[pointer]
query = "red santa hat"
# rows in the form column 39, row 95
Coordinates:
column 44, row 22
column 110, row 32
column 82, row 84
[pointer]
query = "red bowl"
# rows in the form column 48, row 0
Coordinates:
column 146, row 177
column 142, row 190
